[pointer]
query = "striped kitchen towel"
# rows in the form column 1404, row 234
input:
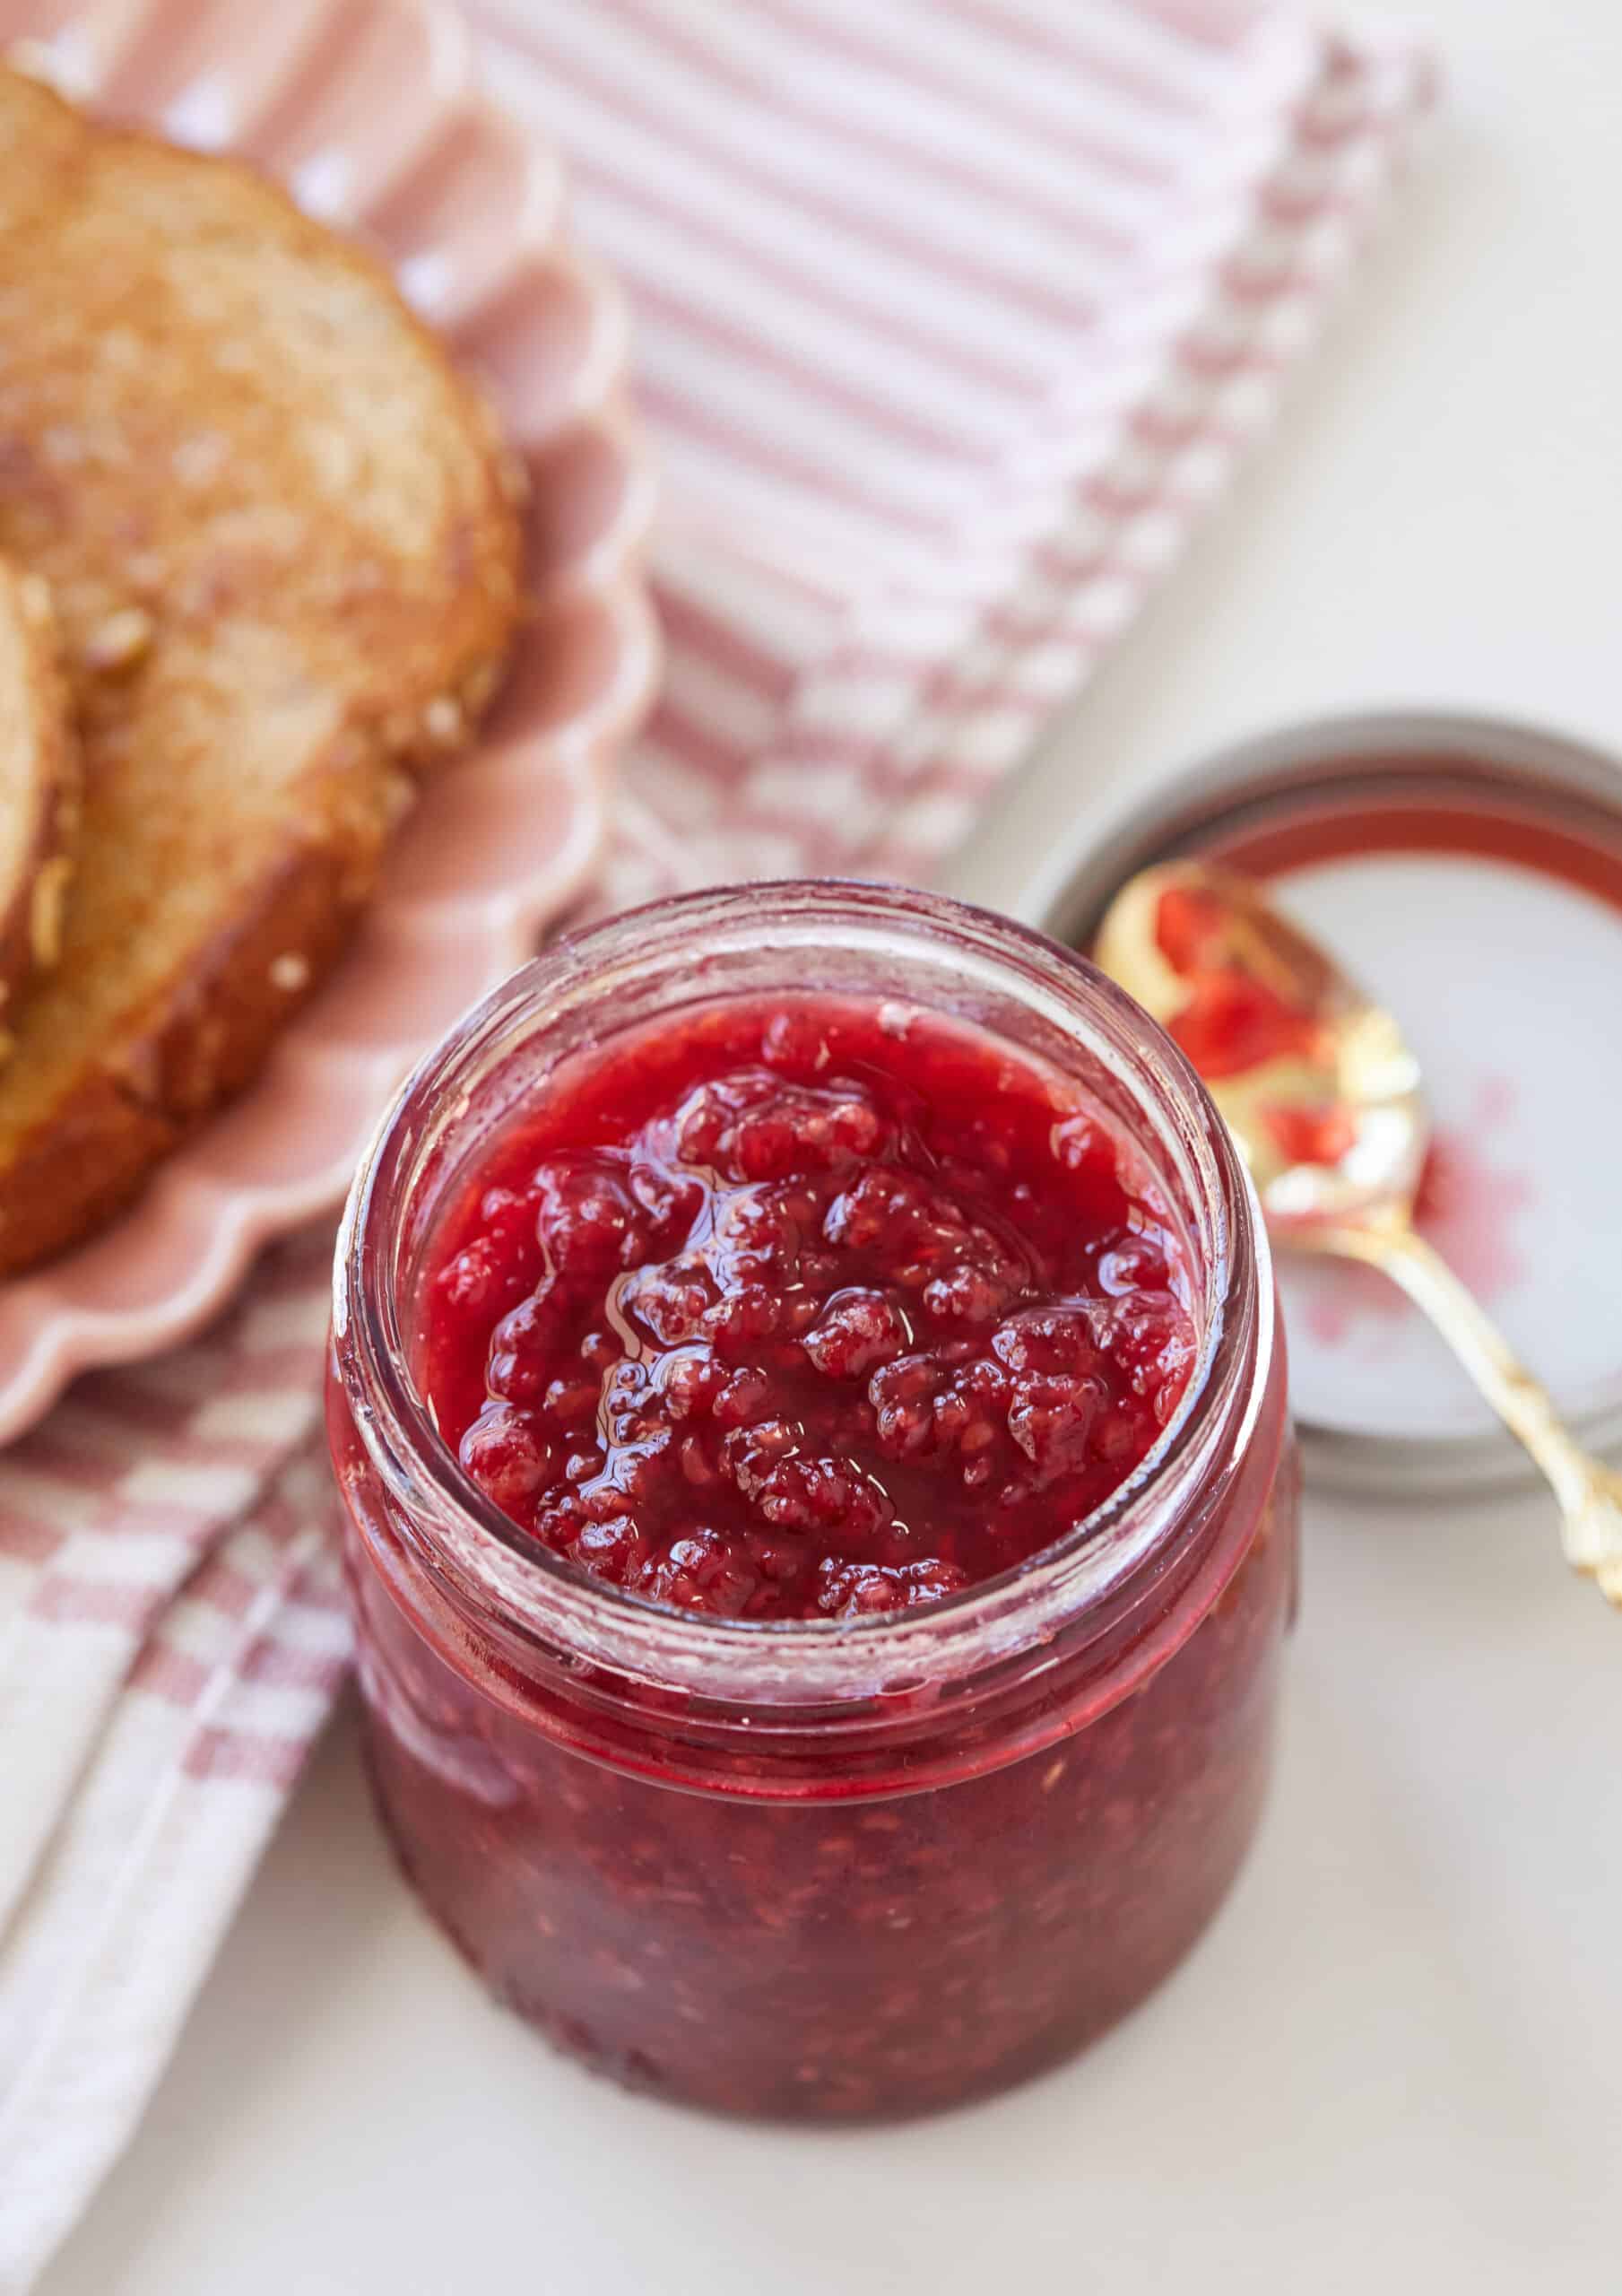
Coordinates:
column 951, row 315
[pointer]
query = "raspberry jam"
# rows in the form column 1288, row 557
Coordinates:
column 821, row 1512
column 799, row 1309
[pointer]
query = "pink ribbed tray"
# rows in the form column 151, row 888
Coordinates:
column 367, row 111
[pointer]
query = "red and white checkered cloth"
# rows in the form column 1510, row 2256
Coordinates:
column 950, row 314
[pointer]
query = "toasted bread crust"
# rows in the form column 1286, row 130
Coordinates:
column 39, row 788
column 282, row 539
column 116, row 1126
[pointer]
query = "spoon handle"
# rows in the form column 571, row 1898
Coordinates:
column 1590, row 1492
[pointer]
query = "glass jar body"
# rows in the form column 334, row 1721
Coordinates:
column 793, row 1868
column 844, row 1951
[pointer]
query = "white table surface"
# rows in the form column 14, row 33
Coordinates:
column 1396, row 2062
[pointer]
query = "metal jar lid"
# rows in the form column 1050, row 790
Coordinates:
column 1468, row 870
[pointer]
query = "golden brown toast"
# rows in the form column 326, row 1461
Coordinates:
column 39, row 789
column 282, row 541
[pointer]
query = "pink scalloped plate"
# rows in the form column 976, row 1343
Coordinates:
column 467, row 208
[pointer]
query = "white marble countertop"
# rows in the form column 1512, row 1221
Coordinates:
column 1396, row 2062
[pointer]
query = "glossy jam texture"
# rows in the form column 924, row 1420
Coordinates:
column 804, row 1309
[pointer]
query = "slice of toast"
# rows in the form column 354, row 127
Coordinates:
column 281, row 540
column 39, row 789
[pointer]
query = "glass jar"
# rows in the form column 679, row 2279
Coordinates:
column 812, row 1868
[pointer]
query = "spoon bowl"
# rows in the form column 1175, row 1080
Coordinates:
column 1313, row 1077
column 1326, row 1103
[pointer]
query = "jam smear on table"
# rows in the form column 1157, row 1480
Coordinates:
column 804, row 1309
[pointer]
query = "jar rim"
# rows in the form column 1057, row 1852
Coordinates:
column 513, row 1581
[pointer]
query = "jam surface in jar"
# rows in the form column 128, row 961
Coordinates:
column 804, row 1309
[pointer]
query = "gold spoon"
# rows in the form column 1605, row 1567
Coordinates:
column 1326, row 1101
